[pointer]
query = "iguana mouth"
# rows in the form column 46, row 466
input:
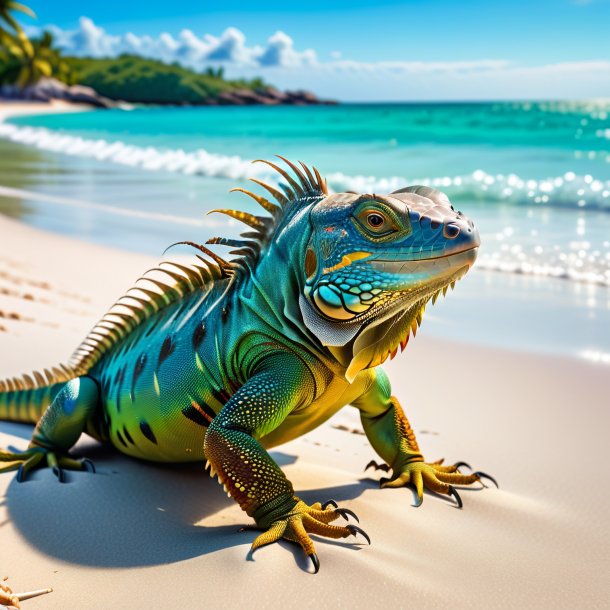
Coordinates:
column 423, row 293
column 429, row 258
column 397, row 266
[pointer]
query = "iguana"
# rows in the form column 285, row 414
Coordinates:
column 222, row 360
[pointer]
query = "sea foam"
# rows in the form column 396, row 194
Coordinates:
column 568, row 190
column 571, row 261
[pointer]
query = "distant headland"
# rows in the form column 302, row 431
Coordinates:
column 36, row 70
column 112, row 82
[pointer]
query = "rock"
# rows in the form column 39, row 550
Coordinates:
column 267, row 96
column 47, row 89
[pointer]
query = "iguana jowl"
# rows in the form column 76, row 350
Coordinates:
column 222, row 360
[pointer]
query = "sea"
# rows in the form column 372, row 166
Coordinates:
column 534, row 176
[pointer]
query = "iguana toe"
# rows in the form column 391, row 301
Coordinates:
column 26, row 461
column 435, row 477
column 304, row 520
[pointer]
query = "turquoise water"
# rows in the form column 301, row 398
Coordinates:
column 531, row 140
column 535, row 177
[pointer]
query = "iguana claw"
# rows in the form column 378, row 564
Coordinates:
column 484, row 475
column 456, row 495
column 354, row 529
column 344, row 512
column 328, row 503
column 303, row 520
column 315, row 561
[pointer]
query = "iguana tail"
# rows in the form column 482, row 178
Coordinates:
column 25, row 398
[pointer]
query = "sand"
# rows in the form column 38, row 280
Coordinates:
column 11, row 108
column 138, row 535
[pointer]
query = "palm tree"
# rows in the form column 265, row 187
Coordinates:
column 15, row 41
column 25, row 69
column 26, row 61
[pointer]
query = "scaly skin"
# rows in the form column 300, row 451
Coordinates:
column 236, row 357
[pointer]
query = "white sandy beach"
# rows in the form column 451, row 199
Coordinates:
column 135, row 534
column 138, row 535
column 9, row 108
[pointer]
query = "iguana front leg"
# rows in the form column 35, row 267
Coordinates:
column 390, row 434
column 279, row 384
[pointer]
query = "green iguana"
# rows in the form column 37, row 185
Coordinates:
column 223, row 360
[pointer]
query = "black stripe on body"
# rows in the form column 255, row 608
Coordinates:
column 137, row 371
column 202, row 415
column 120, row 437
column 198, row 335
column 147, row 432
column 119, row 382
column 127, row 435
column 166, row 350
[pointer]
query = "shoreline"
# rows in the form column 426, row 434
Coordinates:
column 12, row 108
column 536, row 423
column 150, row 228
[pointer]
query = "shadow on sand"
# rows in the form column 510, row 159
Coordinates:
column 132, row 513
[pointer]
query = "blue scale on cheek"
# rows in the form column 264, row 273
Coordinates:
column 330, row 296
column 351, row 300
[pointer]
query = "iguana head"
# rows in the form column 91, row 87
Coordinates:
column 374, row 261
column 362, row 266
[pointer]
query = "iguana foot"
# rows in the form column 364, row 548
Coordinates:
column 434, row 476
column 303, row 520
column 25, row 461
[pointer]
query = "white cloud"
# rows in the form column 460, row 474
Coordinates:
column 187, row 48
column 342, row 78
column 280, row 51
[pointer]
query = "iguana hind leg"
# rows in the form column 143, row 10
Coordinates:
column 57, row 431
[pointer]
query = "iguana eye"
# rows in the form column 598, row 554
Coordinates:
column 376, row 221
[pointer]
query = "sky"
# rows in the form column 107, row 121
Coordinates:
column 359, row 50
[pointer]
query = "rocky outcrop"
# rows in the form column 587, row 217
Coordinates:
column 47, row 89
column 268, row 96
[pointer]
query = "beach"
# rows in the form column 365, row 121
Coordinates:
column 139, row 535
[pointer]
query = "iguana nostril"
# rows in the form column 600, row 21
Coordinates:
column 434, row 224
column 451, row 231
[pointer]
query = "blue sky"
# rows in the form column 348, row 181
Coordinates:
column 417, row 49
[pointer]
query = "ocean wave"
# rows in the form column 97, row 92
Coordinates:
column 577, row 261
column 569, row 190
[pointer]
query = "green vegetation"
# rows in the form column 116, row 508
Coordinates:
column 24, row 66
column 24, row 61
column 137, row 79
column 130, row 78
